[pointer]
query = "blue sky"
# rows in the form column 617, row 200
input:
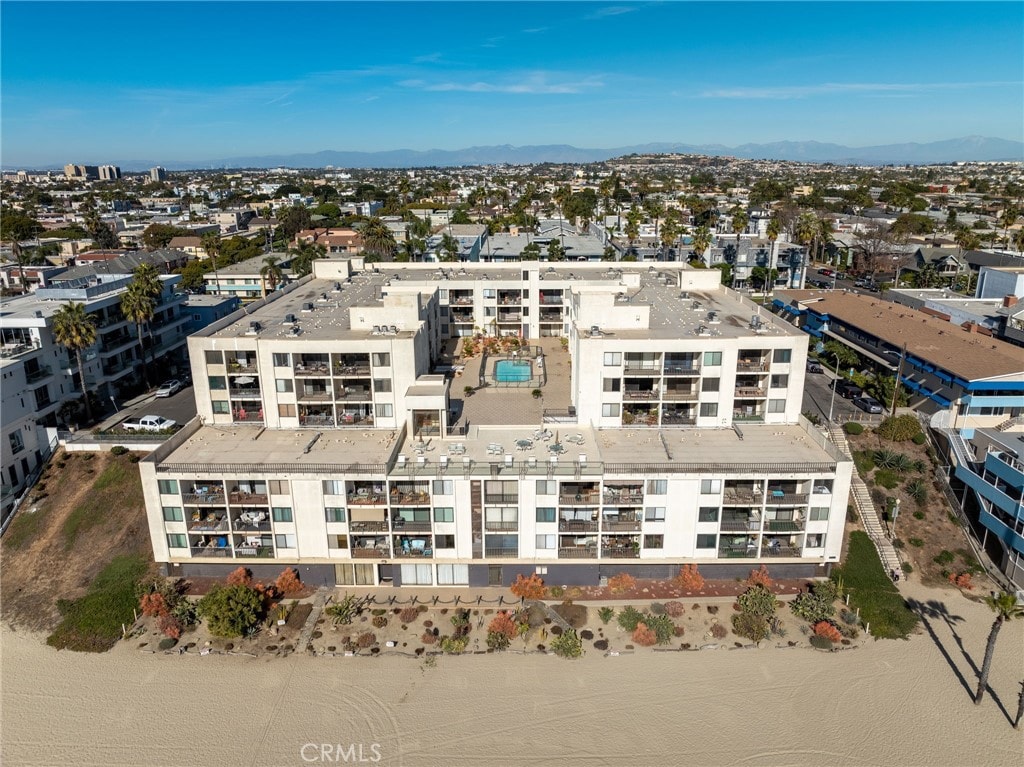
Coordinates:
column 100, row 82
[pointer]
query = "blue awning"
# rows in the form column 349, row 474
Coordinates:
column 941, row 400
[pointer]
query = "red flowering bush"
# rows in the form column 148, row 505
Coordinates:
column 621, row 583
column 643, row 636
column 675, row 609
column 760, row 577
column 153, row 604
column 529, row 588
column 961, row 581
column 828, row 630
column 689, row 579
column 240, row 577
column 503, row 624
column 169, row 626
column 288, row 581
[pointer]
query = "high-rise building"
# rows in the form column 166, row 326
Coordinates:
column 157, row 174
column 109, row 173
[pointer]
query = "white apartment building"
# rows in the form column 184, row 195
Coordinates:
column 665, row 430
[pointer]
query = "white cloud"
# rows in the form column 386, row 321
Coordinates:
column 533, row 83
column 611, row 10
column 826, row 89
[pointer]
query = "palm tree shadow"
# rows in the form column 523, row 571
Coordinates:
column 936, row 610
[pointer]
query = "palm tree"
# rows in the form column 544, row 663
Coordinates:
column 669, row 234
column 306, row 253
column 632, row 226
column 76, row 330
column 450, row 247
column 824, row 235
column 211, row 244
column 1008, row 219
column 773, row 231
column 138, row 307
column 270, row 274
column 1018, row 240
column 701, row 241
column 1006, row 608
column 378, row 240
column 655, row 210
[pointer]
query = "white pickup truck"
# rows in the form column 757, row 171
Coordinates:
column 149, row 423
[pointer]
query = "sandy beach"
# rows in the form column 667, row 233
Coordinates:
column 889, row 703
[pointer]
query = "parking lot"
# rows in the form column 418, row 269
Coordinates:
column 818, row 395
column 180, row 407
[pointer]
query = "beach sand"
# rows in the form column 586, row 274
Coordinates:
column 889, row 703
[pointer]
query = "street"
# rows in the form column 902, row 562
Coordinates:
column 818, row 395
column 180, row 407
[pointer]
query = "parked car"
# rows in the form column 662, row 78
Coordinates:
column 847, row 389
column 149, row 423
column 167, row 388
column 868, row 404
column 814, row 367
column 826, row 272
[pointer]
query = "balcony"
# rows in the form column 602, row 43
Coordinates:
column 752, row 365
column 207, row 523
column 510, row 317
column 355, row 419
column 314, row 395
column 259, row 552
column 461, row 300
column 677, row 419
column 741, row 524
column 43, row 371
column 321, row 369
column 620, row 552
column 253, row 522
column 501, row 552
column 412, row 552
column 681, row 370
column 623, row 497
column 410, row 498
column 747, row 551
column 739, row 497
column 620, row 526
column 750, row 391
column 373, row 552
column 501, row 525
column 780, row 551
column 779, row 498
column 499, row 498
column 578, row 552
column 244, row 393
column 211, row 551
column 248, row 499
column 410, row 526
column 248, row 416
column 356, row 393
column 203, row 499
column 246, row 365
column 352, row 369
column 550, row 300
column 643, row 368
column 551, row 316
column 317, row 420
column 359, row 498
column 640, row 394
column 577, row 526
column 748, row 417
column 676, row 395
column 784, row 525
column 368, row 527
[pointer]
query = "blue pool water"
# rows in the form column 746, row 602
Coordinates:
column 512, row 371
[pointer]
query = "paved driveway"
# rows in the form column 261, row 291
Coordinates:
column 180, row 407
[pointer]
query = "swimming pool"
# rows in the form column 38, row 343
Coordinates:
column 513, row 371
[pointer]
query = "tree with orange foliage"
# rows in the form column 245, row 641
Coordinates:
column 154, row 604
column 689, row 579
column 169, row 626
column 288, row 581
column 644, row 636
column 240, row 576
column 760, row 577
column 828, row 630
column 621, row 583
column 961, row 580
column 529, row 588
column 504, row 625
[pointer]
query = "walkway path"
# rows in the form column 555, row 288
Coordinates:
column 866, row 507
column 306, row 635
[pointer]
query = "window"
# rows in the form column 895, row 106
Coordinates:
column 444, row 487
column 286, row 411
column 708, row 541
column 444, row 514
column 218, row 383
column 547, row 541
column 364, row 574
column 776, row 406
column 417, row 575
column 442, row 294
column 168, row 486
column 710, row 486
column 707, row 514
column 444, row 541
column 657, row 486
column 220, row 407
column 282, row 360
column 197, row 317
column 547, row 487
column 382, row 384
column 334, row 514
column 282, row 514
column 337, row 541
column 173, row 514
column 612, row 384
column 278, row 486
column 713, row 359
column 612, row 358
column 780, row 381
column 385, row 410
column 381, row 360
column 710, row 384
column 816, row 540
column 489, row 293
column 285, row 541
column 334, row 487
column 654, row 514
column 610, row 410
column 283, row 385
column 708, row 409
column 177, row 541
column 782, row 355
column 451, row 575
column 214, row 358
column 505, row 516
column 546, row 514
column 819, row 514
column 654, row 541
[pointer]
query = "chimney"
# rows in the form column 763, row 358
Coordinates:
column 1009, row 301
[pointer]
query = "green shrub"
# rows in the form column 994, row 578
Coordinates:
column 628, row 618
column 919, row 438
column 864, row 461
column 757, row 601
column 605, row 614
column 918, row 490
column 167, row 643
column 567, row 644
column 918, row 514
column 887, row 479
column 944, row 557
column 497, row 640
column 817, row 603
column 344, row 611
column 751, row 626
column 231, row 611
column 916, row 542
column 454, row 645
column 852, row 427
column 851, row 513
column 118, row 450
column 885, row 458
column 556, row 592
column 908, row 568
column 870, row 588
column 899, row 428
column 662, row 626
column 821, row 643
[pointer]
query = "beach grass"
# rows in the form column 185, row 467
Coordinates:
column 93, row 622
column 24, row 528
column 118, row 484
column 870, row 589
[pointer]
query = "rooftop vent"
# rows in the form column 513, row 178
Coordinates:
column 307, row 307
column 336, row 288
column 595, row 331
column 713, row 318
column 695, row 305
column 254, row 328
column 289, row 319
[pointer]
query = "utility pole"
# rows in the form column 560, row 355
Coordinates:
column 896, row 386
column 832, row 399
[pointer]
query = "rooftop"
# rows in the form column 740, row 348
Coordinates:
column 968, row 355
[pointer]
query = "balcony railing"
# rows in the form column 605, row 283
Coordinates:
column 348, row 419
column 787, row 499
column 317, row 420
column 248, row 417
column 623, row 498
column 641, row 368
column 312, row 369
column 681, row 370
column 377, row 552
column 203, row 499
column 501, row 498
column 740, row 497
column 679, row 394
column 461, row 300
column 39, row 374
column 248, row 499
column 588, row 498
column 354, row 369
column 780, row 551
column 205, row 525
column 314, row 396
column 737, row 552
column 549, row 300
column 621, row 526
column 589, row 552
column 500, row 525
column 577, row 526
column 620, row 552
column 260, row 552
column 410, row 527
column 412, row 553
column 749, row 391
column 366, row 499
column 211, row 551
column 368, row 527
column 410, row 498
column 509, row 317
column 245, row 393
column 637, row 394
column 250, row 527
column 671, row 419
column 501, row 552
column 238, row 367
column 748, row 417
column 354, row 394
column 784, row 525
column 741, row 525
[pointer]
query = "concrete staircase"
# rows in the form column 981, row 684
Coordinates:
column 866, row 508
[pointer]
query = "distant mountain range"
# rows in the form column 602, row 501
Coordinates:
column 969, row 148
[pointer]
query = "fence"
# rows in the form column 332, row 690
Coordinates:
column 30, row 482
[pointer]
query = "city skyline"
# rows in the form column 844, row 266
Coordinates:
column 269, row 78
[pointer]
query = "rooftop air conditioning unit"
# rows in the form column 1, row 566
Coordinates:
column 336, row 288
column 289, row 319
column 296, row 330
column 254, row 328
column 307, row 307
